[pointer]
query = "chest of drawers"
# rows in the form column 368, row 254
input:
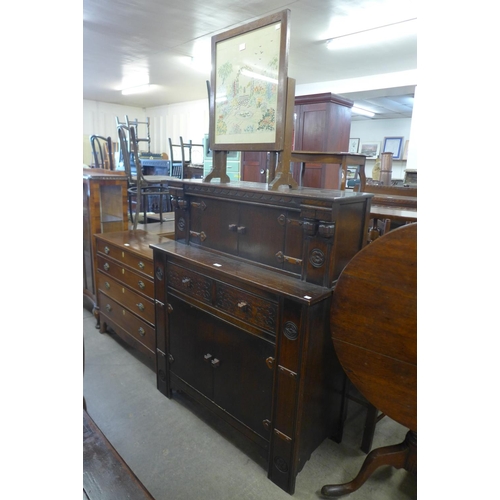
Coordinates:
column 125, row 287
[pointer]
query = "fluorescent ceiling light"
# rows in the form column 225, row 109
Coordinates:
column 364, row 112
column 136, row 90
column 251, row 74
column 374, row 35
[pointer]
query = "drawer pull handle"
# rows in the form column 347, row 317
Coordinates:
column 108, row 308
column 233, row 227
column 215, row 363
column 141, row 265
column 243, row 306
column 242, row 229
column 106, row 266
column 267, row 424
column 141, row 284
column 106, row 250
column 188, row 282
column 207, row 357
column 140, row 306
column 270, row 362
column 142, row 332
column 107, row 285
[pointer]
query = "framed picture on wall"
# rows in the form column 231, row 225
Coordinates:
column 393, row 145
column 353, row 145
column 370, row 149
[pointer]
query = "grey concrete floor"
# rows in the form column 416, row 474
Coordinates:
column 180, row 452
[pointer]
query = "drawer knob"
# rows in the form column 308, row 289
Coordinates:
column 141, row 331
column 215, row 363
column 141, row 265
column 106, row 266
column 106, row 250
column 140, row 305
column 242, row 229
column 107, row 285
column 108, row 307
column 188, row 282
column 243, row 306
column 141, row 284
column 207, row 357
column 233, row 227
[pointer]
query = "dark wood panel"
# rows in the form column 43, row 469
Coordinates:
column 106, row 476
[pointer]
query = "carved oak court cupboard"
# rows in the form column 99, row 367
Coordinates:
column 242, row 298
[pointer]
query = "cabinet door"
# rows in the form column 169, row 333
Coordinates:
column 243, row 382
column 225, row 364
column 189, row 344
column 261, row 233
column 218, row 224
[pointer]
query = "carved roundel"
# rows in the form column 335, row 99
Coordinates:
column 280, row 464
column 317, row 257
column 181, row 224
column 290, row 330
column 159, row 273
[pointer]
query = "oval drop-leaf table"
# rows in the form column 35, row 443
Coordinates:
column 373, row 323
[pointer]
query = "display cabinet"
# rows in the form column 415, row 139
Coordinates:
column 104, row 211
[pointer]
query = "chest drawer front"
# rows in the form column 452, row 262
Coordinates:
column 138, row 282
column 190, row 283
column 138, row 304
column 257, row 311
column 138, row 263
column 134, row 326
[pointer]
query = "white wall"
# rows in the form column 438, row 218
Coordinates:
column 99, row 118
column 376, row 131
column 191, row 120
column 188, row 119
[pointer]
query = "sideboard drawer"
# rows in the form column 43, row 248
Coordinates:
column 190, row 283
column 252, row 309
column 138, row 304
column 134, row 326
column 137, row 281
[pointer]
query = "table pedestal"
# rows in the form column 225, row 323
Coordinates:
column 403, row 455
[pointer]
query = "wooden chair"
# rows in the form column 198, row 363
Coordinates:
column 378, row 227
column 187, row 158
column 176, row 165
column 141, row 186
column 102, row 152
